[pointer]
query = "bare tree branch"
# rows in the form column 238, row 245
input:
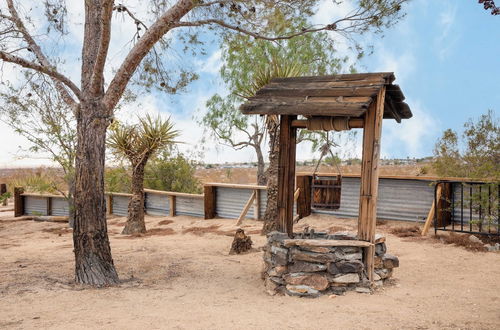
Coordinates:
column 97, row 81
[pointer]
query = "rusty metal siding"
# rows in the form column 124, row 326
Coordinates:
column 190, row 206
column 231, row 201
column 405, row 200
column 35, row 205
column 120, row 205
column 60, row 206
column 157, row 204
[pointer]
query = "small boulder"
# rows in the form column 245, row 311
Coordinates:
column 474, row 239
column 380, row 249
column 306, row 267
column 383, row 273
column 390, row 261
column 316, row 281
column 301, row 290
column 343, row 267
column 346, row 278
column 363, row 290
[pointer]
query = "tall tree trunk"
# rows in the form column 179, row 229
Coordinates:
column 261, row 174
column 93, row 260
column 271, row 215
column 135, row 220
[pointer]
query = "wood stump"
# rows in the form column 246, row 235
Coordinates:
column 241, row 242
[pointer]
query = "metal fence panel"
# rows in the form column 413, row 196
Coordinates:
column 406, row 200
column 231, row 201
column 157, row 204
column 35, row 205
column 120, row 205
column 190, row 206
column 60, row 207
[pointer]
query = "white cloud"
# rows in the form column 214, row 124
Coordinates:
column 403, row 64
column 446, row 39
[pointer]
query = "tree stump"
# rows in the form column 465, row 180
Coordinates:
column 241, row 242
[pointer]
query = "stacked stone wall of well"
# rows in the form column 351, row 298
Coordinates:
column 312, row 271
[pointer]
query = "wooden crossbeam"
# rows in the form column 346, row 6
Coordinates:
column 246, row 208
column 430, row 215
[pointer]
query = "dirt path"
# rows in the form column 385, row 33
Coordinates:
column 186, row 281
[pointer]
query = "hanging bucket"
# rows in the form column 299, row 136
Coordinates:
column 326, row 192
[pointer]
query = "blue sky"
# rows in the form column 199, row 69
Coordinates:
column 445, row 55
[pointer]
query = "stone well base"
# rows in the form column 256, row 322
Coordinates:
column 315, row 264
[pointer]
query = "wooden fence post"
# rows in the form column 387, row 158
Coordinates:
column 369, row 178
column 304, row 200
column 210, row 201
column 18, row 201
column 171, row 209
column 3, row 190
column 109, row 203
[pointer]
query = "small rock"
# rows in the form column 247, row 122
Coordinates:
column 490, row 248
column 348, row 256
column 301, row 290
column 376, row 277
column 315, row 281
column 277, row 271
column 384, row 273
column 363, row 290
column 332, row 296
column 305, row 267
column 351, row 249
column 390, row 261
column 347, row 278
column 271, row 287
column 343, row 235
column 378, row 262
column 343, row 267
column 279, row 256
column 379, row 238
column 277, row 280
column 474, row 239
column 380, row 249
column 378, row 283
column 311, row 256
column 276, row 236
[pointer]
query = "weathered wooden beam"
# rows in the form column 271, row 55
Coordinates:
column 306, row 109
column 286, row 174
column 210, row 202
column 49, row 205
column 304, row 201
column 256, row 207
column 18, row 201
column 325, row 243
column 359, row 91
column 430, row 215
column 369, row 177
column 109, row 203
column 246, row 208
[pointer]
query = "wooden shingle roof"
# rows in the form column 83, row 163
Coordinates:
column 342, row 95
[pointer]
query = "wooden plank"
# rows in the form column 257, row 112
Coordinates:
column 18, row 201
column 386, row 77
column 369, row 177
column 3, row 190
column 286, row 174
column 210, row 201
column 295, row 100
column 430, row 215
column 236, row 186
column 325, row 243
column 173, row 193
column 370, row 91
column 304, row 200
column 171, row 209
column 246, row 208
column 443, row 216
column 296, row 194
column 353, row 122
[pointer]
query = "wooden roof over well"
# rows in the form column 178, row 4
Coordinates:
column 342, row 95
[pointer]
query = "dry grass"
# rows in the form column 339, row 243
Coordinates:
column 214, row 229
column 412, row 231
column 58, row 231
column 165, row 222
column 461, row 240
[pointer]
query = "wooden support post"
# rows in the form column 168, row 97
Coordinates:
column 430, row 215
column 286, row 174
column 369, row 177
column 304, row 201
column 256, row 205
column 109, row 203
column 443, row 216
column 18, row 202
column 171, row 210
column 49, row 205
column 210, row 201
column 3, row 190
column 246, row 208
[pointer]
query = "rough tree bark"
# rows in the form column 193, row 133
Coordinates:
column 135, row 219
column 271, row 215
column 93, row 261
column 261, row 173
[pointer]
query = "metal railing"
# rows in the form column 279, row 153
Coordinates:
column 468, row 207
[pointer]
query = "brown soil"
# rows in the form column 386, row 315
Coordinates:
column 411, row 231
column 186, row 281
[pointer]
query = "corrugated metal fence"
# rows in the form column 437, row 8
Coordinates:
column 399, row 199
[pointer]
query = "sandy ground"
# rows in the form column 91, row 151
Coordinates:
column 176, row 280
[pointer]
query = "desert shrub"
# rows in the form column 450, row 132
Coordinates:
column 172, row 173
column 408, row 231
column 40, row 180
column 117, row 179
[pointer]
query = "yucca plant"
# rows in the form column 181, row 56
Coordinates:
column 138, row 143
